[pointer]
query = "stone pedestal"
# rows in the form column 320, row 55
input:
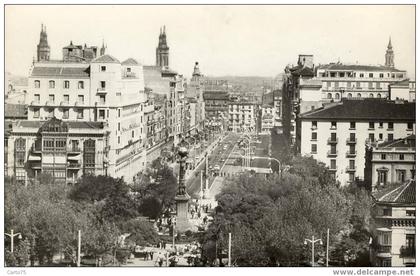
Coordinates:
column 182, row 222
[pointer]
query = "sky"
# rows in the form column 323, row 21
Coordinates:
column 226, row 40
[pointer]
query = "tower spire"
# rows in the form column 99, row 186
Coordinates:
column 389, row 55
column 43, row 49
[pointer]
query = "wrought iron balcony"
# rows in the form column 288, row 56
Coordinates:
column 350, row 141
column 332, row 140
column 351, row 153
column 332, row 153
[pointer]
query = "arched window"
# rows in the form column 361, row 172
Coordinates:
column 329, row 96
column 370, row 95
column 378, row 96
column 359, row 95
column 337, row 96
column 37, row 84
column 349, row 95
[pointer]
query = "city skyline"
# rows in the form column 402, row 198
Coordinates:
column 215, row 35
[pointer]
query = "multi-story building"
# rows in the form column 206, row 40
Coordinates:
column 404, row 89
column 336, row 134
column 267, row 118
column 390, row 162
column 242, row 116
column 216, row 102
column 277, row 102
column 97, row 109
column 395, row 223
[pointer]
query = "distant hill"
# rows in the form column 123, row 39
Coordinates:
column 245, row 83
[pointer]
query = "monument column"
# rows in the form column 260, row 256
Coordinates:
column 182, row 198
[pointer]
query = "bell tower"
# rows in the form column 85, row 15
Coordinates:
column 162, row 51
column 389, row 55
column 43, row 49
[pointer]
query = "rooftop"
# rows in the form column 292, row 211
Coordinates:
column 401, row 193
column 357, row 67
column 105, row 59
column 79, row 72
column 130, row 61
column 366, row 109
column 407, row 142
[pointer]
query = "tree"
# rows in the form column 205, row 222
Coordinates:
column 142, row 232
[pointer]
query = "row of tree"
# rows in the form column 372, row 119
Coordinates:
column 270, row 218
column 48, row 215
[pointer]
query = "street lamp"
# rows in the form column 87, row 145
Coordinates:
column 313, row 241
column 12, row 236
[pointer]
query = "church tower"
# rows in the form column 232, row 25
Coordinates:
column 43, row 49
column 389, row 56
column 162, row 51
column 103, row 48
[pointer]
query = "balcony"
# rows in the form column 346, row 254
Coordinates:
column 351, row 153
column 129, row 75
column 332, row 169
column 50, row 103
column 36, row 148
column 332, row 140
column 100, row 103
column 332, row 153
column 350, row 168
column 64, row 103
column 79, row 103
column 36, row 103
column 36, row 165
column 383, row 248
column 351, row 141
column 102, row 90
column 407, row 252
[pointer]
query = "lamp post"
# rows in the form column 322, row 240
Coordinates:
column 313, row 241
column 12, row 236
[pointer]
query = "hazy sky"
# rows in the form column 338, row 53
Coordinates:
column 226, row 40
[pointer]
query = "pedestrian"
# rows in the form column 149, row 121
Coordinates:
column 145, row 256
column 151, row 255
column 196, row 208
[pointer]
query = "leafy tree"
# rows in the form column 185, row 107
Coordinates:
column 142, row 232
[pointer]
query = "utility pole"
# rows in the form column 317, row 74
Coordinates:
column 328, row 243
column 79, row 245
column 230, row 249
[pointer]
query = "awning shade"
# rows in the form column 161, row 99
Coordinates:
column 74, row 157
column 34, row 158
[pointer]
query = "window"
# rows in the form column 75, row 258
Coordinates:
column 333, row 136
column 65, row 113
column 381, row 136
column 370, row 75
column 66, row 98
column 80, row 85
column 352, row 149
column 128, row 69
column 341, row 74
column 401, row 156
column 79, row 113
column 378, row 96
column 333, row 164
column 119, row 113
column 370, row 85
column 36, row 112
column 371, row 137
column 329, row 96
column 36, row 98
column 132, row 134
column 51, row 84
column 37, row 84
column 102, row 99
column 359, row 95
column 101, row 114
column 409, row 126
column 361, row 75
column 50, row 112
column 378, row 85
column 313, row 148
column 103, row 85
column 337, row 96
column 387, row 212
column 348, row 84
column 51, row 98
column 390, row 137
column 66, row 84
column 328, row 84
column 358, row 85
column 103, row 68
column 119, row 126
column 401, row 176
column 381, row 75
column 370, row 95
column 381, row 124
column 352, row 164
column 352, row 125
column 333, row 125
column 383, row 156
column 349, row 95
column 81, row 99
column 371, row 125
column 314, row 124
column 382, row 177
column 89, row 151
column 119, row 140
column 351, row 176
column 333, row 149
column 314, row 136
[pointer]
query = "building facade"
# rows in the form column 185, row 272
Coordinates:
column 395, row 223
column 337, row 133
column 242, row 116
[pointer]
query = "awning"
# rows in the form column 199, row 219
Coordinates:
column 34, row 158
column 74, row 157
column 383, row 229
